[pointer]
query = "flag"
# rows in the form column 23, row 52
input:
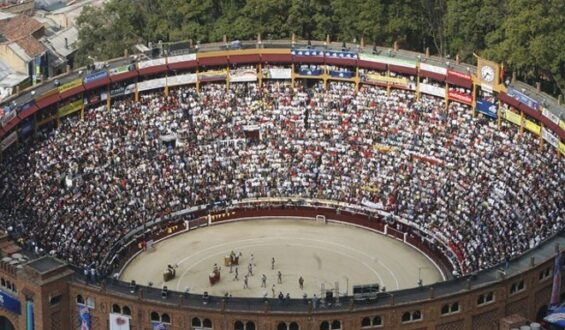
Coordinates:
column 555, row 290
column 84, row 318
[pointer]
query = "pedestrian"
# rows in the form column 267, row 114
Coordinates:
column 253, row 260
column 273, row 263
column 245, row 284
column 273, row 290
column 301, row 283
column 250, row 270
column 236, row 277
column 264, row 281
column 87, row 274
column 281, row 297
column 279, row 277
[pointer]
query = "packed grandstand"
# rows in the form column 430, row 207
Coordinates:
column 483, row 187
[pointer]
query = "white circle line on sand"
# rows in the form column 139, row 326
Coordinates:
column 183, row 274
column 181, row 261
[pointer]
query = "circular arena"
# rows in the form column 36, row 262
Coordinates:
column 401, row 190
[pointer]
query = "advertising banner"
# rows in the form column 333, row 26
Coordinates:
column 7, row 117
column 487, row 108
column 307, row 52
column 338, row 54
column 84, row 316
column 71, row 84
column 70, row 108
column 562, row 148
column 432, row 90
column 433, row 68
column 532, row 127
column 117, row 91
column 130, row 89
column 183, row 79
column 121, row 69
column 277, row 73
column 151, row 84
column 458, row 75
column 5, row 144
column 213, row 75
column 341, row 74
column 523, row 98
column 397, row 81
column 513, row 117
column 549, row 137
column 181, row 58
column 119, row 322
column 95, row 76
column 460, row 97
column 387, row 60
column 562, row 124
column 150, row 63
column 158, row 326
column 550, row 116
column 243, row 75
column 307, row 71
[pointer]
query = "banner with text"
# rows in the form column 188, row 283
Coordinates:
column 513, row 117
column 182, row 79
column 69, row 108
column 181, row 58
column 433, row 68
column 8, row 141
column 547, row 114
column 121, row 69
column 549, row 137
column 70, row 85
column 522, row 98
column 532, row 127
column 243, row 75
column 432, row 90
column 150, row 63
column 487, row 108
column 151, row 84
column 460, row 97
column 277, row 73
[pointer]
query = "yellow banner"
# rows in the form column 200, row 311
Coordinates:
column 386, row 79
column 532, row 127
column 513, row 117
column 562, row 147
column 382, row 147
column 370, row 188
column 562, row 124
column 70, row 108
column 69, row 85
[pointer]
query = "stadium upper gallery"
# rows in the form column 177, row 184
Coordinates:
column 272, row 165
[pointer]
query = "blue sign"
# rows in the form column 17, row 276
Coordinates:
column 523, row 98
column 95, row 76
column 158, row 325
column 310, row 72
column 341, row 74
column 26, row 106
column 338, row 54
column 307, row 52
column 10, row 303
column 487, row 108
column 84, row 314
column 117, row 91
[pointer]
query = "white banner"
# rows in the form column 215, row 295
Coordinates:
column 433, row 68
column 7, row 117
column 243, row 75
column 8, row 141
column 549, row 137
column 119, row 322
column 181, row 58
column 277, row 73
column 151, row 84
column 129, row 89
column 183, row 79
column 150, row 63
column 550, row 116
column 368, row 203
column 387, row 60
column 432, row 90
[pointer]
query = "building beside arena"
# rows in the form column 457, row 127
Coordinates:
column 47, row 293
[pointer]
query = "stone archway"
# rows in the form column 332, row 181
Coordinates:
column 6, row 324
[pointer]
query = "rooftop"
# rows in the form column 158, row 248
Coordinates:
column 63, row 42
column 45, row 264
column 18, row 27
column 31, row 46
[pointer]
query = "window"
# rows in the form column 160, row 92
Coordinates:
column 126, row 311
column 293, row 326
column 485, row 298
column 412, row 316
column 80, row 300
column 325, row 325
column 368, row 322
column 517, row 287
column 116, row 309
column 196, row 323
column 55, row 300
column 250, row 325
column 448, row 309
column 238, row 325
column 336, row 325
column 90, row 302
column 155, row 316
column 282, row 326
column 207, row 324
column 545, row 273
column 165, row 318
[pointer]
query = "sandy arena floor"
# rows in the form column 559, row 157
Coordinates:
column 320, row 253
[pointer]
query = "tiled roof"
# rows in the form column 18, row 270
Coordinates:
column 31, row 46
column 18, row 27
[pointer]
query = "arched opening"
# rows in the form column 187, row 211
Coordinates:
column 80, row 300
column 366, row 322
column 238, row 325
column 116, row 309
column 196, row 323
column 377, row 320
column 126, row 311
column 5, row 324
column 155, row 317
column 250, row 325
column 207, row 324
column 293, row 326
column 281, row 326
column 336, row 325
column 406, row 317
column 325, row 325
column 165, row 318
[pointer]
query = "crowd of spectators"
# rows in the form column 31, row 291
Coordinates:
column 488, row 193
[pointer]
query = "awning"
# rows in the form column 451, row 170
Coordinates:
column 308, row 59
column 124, row 76
column 153, row 70
column 276, row 58
column 97, row 83
column 9, row 125
column 245, row 59
column 402, row 69
column 183, row 65
column 71, row 92
column 28, row 112
column 372, row 65
column 340, row 61
column 47, row 101
column 213, row 61
column 432, row 75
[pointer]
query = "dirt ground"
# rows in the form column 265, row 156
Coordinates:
column 323, row 254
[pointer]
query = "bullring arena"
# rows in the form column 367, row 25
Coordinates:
column 322, row 254
column 349, row 166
